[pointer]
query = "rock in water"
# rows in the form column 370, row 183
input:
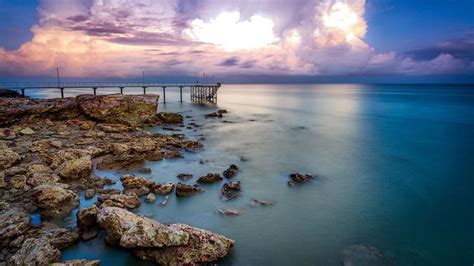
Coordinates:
column 230, row 190
column 87, row 222
column 164, row 189
column 184, row 177
column 123, row 201
column 77, row 263
column 300, row 178
column 228, row 212
column 231, row 171
column 54, row 201
column 209, row 178
column 150, row 198
column 124, row 109
column 183, row 190
column 365, row 255
column 177, row 244
column 36, row 252
column 170, row 118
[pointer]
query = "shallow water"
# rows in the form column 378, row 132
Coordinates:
column 394, row 164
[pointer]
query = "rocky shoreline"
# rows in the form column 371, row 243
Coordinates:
column 49, row 149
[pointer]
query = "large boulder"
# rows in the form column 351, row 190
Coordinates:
column 177, row 244
column 36, row 252
column 124, row 109
column 54, row 201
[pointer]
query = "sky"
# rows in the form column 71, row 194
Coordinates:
column 239, row 40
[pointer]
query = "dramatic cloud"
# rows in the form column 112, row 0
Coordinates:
column 222, row 37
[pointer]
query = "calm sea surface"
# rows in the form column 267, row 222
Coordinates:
column 395, row 166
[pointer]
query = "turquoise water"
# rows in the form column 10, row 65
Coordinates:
column 395, row 170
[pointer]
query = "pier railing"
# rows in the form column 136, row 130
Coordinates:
column 199, row 91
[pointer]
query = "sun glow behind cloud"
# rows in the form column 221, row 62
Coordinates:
column 230, row 33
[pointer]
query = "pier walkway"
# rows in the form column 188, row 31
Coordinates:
column 199, row 92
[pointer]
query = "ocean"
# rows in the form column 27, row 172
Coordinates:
column 394, row 166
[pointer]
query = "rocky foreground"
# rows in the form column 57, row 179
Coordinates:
column 48, row 150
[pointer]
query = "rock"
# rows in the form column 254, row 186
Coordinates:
column 15, row 170
column 131, row 181
column 4, row 205
column 145, row 170
column 209, row 178
column 256, row 202
column 90, row 193
column 213, row 115
column 177, row 244
column 138, row 191
column 19, row 182
column 7, row 134
column 77, row 263
column 42, row 179
column 87, row 222
column 301, row 178
column 8, row 158
column 231, row 171
column 39, row 169
column 222, row 111
column 184, row 177
column 36, row 252
column 61, row 237
column 230, row 190
column 243, row 159
column 229, row 212
column 122, row 201
column 150, row 198
column 76, row 168
column 53, row 200
column 165, row 189
column 203, row 248
column 364, row 255
column 130, row 110
column 113, row 128
column 183, row 190
column 13, row 223
column 27, row 131
column 10, row 93
column 170, row 118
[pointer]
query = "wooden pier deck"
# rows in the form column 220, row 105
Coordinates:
column 199, row 92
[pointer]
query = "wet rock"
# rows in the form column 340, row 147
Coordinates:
column 27, row 131
column 222, row 111
column 177, row 244
column 300, row 178
column 90, row 193
column 145, row 170
column 231, row 171
column 210, row 178
column 13, row 224
column 213, row 115
column 256, row 202
column 228, row 212
column 164, row 189
column 124, row 109
column 122, row 201
column 138, row 191
column 230, row 190
column 53, row 200
column 170, row 118
column 36, row 252
column 131, row 181
column 77, row 263
column 183, row 190
column 76, row 168
column 87, row 222
column 8, row 158
column 42, row 179
column 150, row 198
column 184, row 177
column 243, row 159
column 10, row 93
column 61, row 237
column 364, row 255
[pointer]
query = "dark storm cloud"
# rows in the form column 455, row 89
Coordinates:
column 462, row 48
column 231, row 61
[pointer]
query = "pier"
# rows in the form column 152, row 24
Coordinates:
column 199, row 92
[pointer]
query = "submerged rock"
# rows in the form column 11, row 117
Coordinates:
column 210, row 178
column 170, row 118
column 36, row 252
column 230, row 190
column 299, row 178
column 145, row 170
column 184, row 177
column 183, row 190
column 177, row 244
column 365, row 255
column 229, row 212
column 256, row 202
column 231, row 171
